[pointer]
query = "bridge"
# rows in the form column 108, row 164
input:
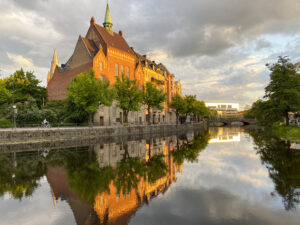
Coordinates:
column 232, row 121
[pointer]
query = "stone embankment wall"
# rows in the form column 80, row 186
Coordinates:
column 55, row 134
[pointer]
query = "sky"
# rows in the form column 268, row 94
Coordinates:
column 217, row 48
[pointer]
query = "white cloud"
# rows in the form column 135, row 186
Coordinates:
column 20, row 61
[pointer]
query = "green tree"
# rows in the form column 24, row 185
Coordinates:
column 23, row 85
column 265, row 112
column 87, row 93
column 200, row 109
column 128, row 95
column 153, row 98
column 284, row 88
column 5, row 94
column 59, row 107
column 179, row 105
column 190, row 104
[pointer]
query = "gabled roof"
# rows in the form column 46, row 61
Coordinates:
column 114, row 40
column 91, row 46
column 57, row 86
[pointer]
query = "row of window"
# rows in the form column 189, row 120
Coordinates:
column 122, row 70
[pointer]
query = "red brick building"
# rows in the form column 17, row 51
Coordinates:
column 109, row 55
column 102, row 50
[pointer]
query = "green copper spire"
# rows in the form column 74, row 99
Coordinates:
column 107, row 20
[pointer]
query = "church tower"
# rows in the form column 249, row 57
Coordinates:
column 107, row 21
column 54, row 63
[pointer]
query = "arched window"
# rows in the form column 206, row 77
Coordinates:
column 127, row 72
column 116, row 70
column 122, row 70
column 101, row 66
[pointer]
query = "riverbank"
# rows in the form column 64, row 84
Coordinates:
column 287, row 132
column 35, row 135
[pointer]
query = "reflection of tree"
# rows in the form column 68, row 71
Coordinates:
column 283, row 165
column 190, row 150
column 156, row 168
column 20, row 176
column 83, row 173
column 128, row 174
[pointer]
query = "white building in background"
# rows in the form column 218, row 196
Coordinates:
column 224, row 109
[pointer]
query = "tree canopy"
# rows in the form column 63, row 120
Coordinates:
column 153, row 98
column 23, row 85
column 85, row 93
column 282, row 94
column 179, row 105
column 128, row 95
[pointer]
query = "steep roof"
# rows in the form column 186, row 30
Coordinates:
column 91, row 46
column 114, row 40
column 57, row 86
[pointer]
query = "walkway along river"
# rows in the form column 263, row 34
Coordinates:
column 220, row 176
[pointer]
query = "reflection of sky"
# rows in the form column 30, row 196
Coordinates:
column 35, row 210
column 228, row 185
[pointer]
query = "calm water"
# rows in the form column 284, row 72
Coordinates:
column 223, row 176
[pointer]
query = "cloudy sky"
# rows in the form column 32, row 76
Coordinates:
column 217, row 48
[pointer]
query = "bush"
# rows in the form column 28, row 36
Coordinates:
column 4, row 123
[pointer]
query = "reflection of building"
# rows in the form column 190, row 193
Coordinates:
column 113, row 207
column 84, row 214
column 224, row 109
column 224, row 134
column 117, row 208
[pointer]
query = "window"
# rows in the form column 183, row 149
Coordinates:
column 122, row 70
column 116, row 70
column 101, row 66
column 127, row 72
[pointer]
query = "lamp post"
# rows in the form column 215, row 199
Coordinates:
column 15, row 111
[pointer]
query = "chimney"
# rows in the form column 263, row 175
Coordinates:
column 121, row 33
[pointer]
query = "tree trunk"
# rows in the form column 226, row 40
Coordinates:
column 149, row 115
column 177, row 118
column 91, row 119
column 125, row 115
column 287, row 120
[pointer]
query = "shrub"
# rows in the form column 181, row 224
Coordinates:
column 4, row 123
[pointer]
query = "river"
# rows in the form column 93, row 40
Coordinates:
column 220, row 176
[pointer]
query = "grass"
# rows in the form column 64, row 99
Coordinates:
column 287, row 132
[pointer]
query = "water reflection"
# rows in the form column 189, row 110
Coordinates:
column 224, row 134
column 283, row 164
column 103, row 183
column 157, row 180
